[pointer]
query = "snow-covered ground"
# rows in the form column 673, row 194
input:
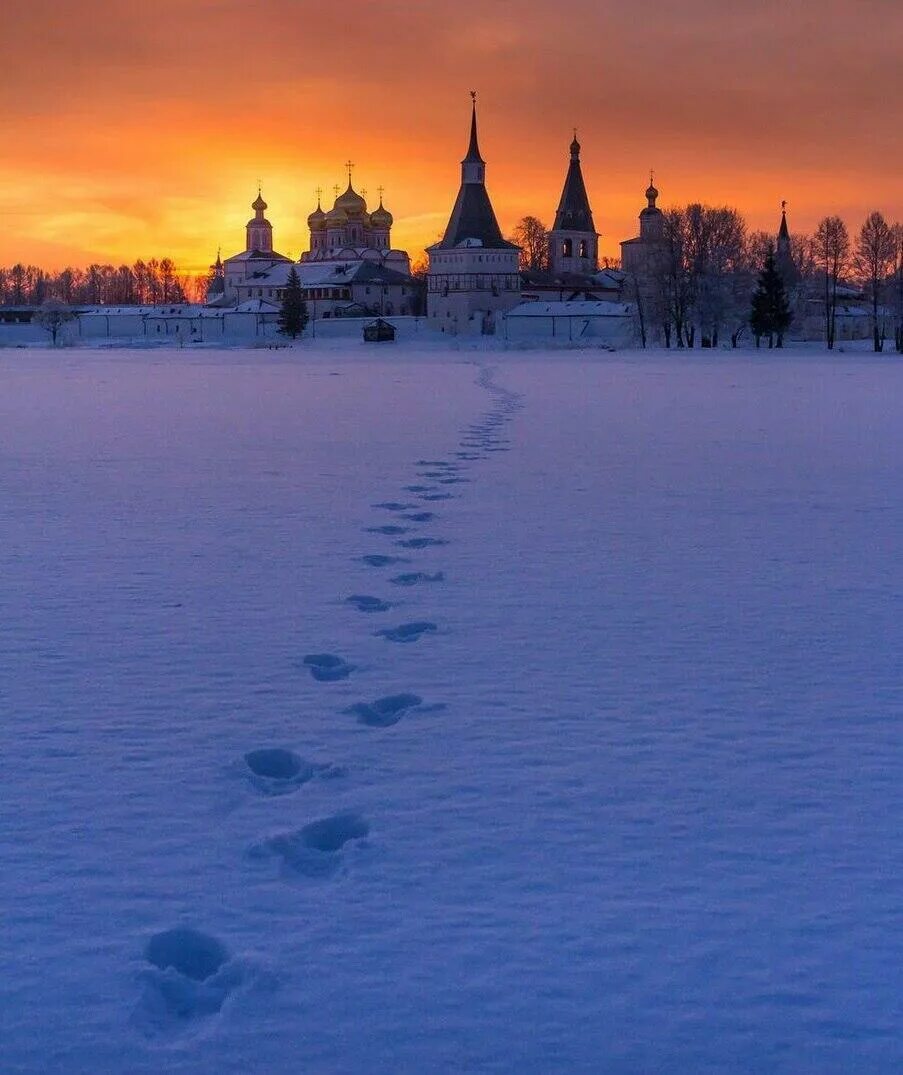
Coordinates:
column 622, row 794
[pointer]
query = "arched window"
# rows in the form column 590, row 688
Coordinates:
column 584, row 249
column 566, row 248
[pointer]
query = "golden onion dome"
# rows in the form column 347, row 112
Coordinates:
column 336, row 217
column 381, row 217
column 317, row 219
column 351, row 202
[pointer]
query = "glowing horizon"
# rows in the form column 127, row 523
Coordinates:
column 144, row 134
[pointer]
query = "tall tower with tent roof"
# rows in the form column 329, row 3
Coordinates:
column 573, row 240
column 474, row 271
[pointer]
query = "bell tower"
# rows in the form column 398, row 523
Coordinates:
column 573, row 240
column 259, row 230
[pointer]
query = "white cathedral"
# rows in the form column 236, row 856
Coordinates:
column 350, row 269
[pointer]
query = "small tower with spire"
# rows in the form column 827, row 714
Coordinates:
column 259, row 230
column 573, row 240
column 652, row 219
column 783, row 251
column 641, row 256
column 474, row 271
column 216, row 282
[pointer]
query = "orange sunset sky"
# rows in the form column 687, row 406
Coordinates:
column 140, row 128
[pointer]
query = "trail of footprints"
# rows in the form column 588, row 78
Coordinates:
column 189, row 975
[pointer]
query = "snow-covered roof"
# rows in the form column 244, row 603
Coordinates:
column 572, row 309
column 327, row 274
column 611, row 277
column 255, row 306
column 170, row 309
column 257, row 255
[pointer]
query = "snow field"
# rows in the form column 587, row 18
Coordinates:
column 421, row 716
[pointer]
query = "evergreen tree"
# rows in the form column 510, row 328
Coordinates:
column 293, row 315
column 770, row 315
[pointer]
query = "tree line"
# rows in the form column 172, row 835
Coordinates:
column 145, row 283
column 710, row 278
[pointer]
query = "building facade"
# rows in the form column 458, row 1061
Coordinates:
column 350, row 232
column 258, row 257
column 350, row 269
column 642, row 255
column 473, row 275
column 358, row 288
column 573, row 240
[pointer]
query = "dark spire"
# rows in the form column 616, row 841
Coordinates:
column 473, row 217
column 783, row 231
column 473, row 150
column 574, row 213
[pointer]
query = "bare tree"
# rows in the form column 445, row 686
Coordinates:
column 874, row 262
column 897, row 286
column 98, row 284
column 702, row 279
column 532, row 236
column 675, row 284
column 724, row 284
column 52, row 316
column 832, row 247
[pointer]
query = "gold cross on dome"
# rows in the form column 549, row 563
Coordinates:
column 336, row 189
column 349, row 165
column 319, row 193
column 381, row 190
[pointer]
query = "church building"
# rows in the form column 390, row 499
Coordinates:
column 350, row 269
column 641, row 256
column 473, row 271
column 573, row 274
column 350, row 232
column 573, row 241
column 256, row 259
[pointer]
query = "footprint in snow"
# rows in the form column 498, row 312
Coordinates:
column 389, row 529
column 366, row 603
column 189, row 976
column 421, row 543
column 274, row 771
column 407, row 632
column 384, row 712
column 315, row 850
column 377, row 560
column 394, row 505
column 416, row 578
column 327, row 668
